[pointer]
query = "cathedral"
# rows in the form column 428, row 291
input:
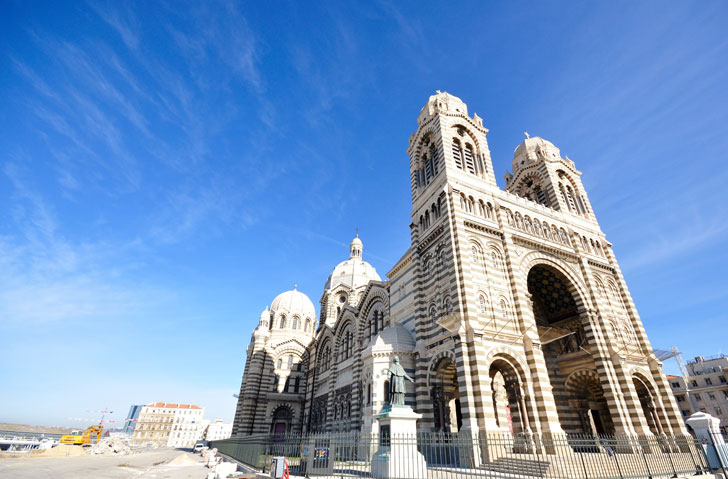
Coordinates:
column 509, row 310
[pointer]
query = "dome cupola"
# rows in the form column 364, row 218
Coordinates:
column 533, row 149
column 354, row 272
column 262, row 331
column 355, row 248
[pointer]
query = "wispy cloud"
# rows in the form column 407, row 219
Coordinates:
column 661, row 248
column 123, row 21
column 46, row 278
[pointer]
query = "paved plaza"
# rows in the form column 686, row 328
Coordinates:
column 149, row 464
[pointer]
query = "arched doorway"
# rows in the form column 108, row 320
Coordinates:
column 557, row 309
column 282, row 418
column 445, row 396
column 509, row 404
column 646, row 396
column 589, row 408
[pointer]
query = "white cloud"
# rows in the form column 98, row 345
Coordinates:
column 125, row 27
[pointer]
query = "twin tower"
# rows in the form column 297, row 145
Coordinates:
column 509, row 309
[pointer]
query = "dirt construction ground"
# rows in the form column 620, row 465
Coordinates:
column 145, row 463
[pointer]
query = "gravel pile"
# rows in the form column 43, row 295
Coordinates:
column 111, row 445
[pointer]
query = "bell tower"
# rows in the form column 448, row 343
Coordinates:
column 447, row 145
column 542, row 175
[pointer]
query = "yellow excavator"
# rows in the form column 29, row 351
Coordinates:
column 85, row 438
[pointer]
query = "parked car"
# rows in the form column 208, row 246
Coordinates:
column 199, row 445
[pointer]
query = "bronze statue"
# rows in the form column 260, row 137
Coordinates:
column 397, row 376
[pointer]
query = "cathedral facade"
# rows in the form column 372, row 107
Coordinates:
column 509, row 310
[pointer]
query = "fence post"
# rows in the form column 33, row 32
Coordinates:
column 672, row 464
column 616, row 461
column 717, row 453
column 644, row 458
column 698, row 469
column 583, row 464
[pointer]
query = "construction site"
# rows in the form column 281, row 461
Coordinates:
column 31, row 452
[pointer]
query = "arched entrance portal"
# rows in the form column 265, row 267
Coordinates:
column 647, row 401
column 282, row 418
column 509, row 405
column 446, row 397
column 580, row 401
column 590, row 412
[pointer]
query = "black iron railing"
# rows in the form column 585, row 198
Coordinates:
column 447, row 455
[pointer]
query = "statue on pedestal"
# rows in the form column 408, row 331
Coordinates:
column 397, row 455
column 397, row 376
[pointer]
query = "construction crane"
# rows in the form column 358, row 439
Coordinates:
column 679, row 360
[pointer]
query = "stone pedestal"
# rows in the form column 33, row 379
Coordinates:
column 707, row 429
column 397, row 455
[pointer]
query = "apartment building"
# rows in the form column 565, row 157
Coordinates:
column 704, row 389
column 170, row 425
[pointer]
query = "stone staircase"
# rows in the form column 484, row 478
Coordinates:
column 518, row 466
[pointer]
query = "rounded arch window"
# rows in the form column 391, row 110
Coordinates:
column 482, row 304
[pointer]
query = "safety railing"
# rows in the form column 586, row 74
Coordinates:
column 458, row 455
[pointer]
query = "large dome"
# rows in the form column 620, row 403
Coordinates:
column 354, row 272
column 293, row 302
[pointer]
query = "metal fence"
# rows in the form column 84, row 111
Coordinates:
column 481, row 455
column 716, row 451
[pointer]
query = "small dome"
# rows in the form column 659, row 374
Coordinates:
column 531, row 149
column 262, row 330
column 354, row 272
column 396, row 338
column 293, row 302
column 442, row 101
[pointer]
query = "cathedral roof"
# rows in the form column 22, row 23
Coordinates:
column 293, row 302
column 354, row 272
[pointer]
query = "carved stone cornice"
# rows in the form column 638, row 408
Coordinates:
column 601, row 266
column 550, row 250
column 483, row 228
column 430, row 238
column 398, row 267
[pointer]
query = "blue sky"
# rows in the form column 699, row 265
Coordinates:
column 167, row 169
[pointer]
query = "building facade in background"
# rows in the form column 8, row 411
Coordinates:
column 218, row 430
column 170, row 425
column 509, row 309
column 131, row 418
column 704, row 389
